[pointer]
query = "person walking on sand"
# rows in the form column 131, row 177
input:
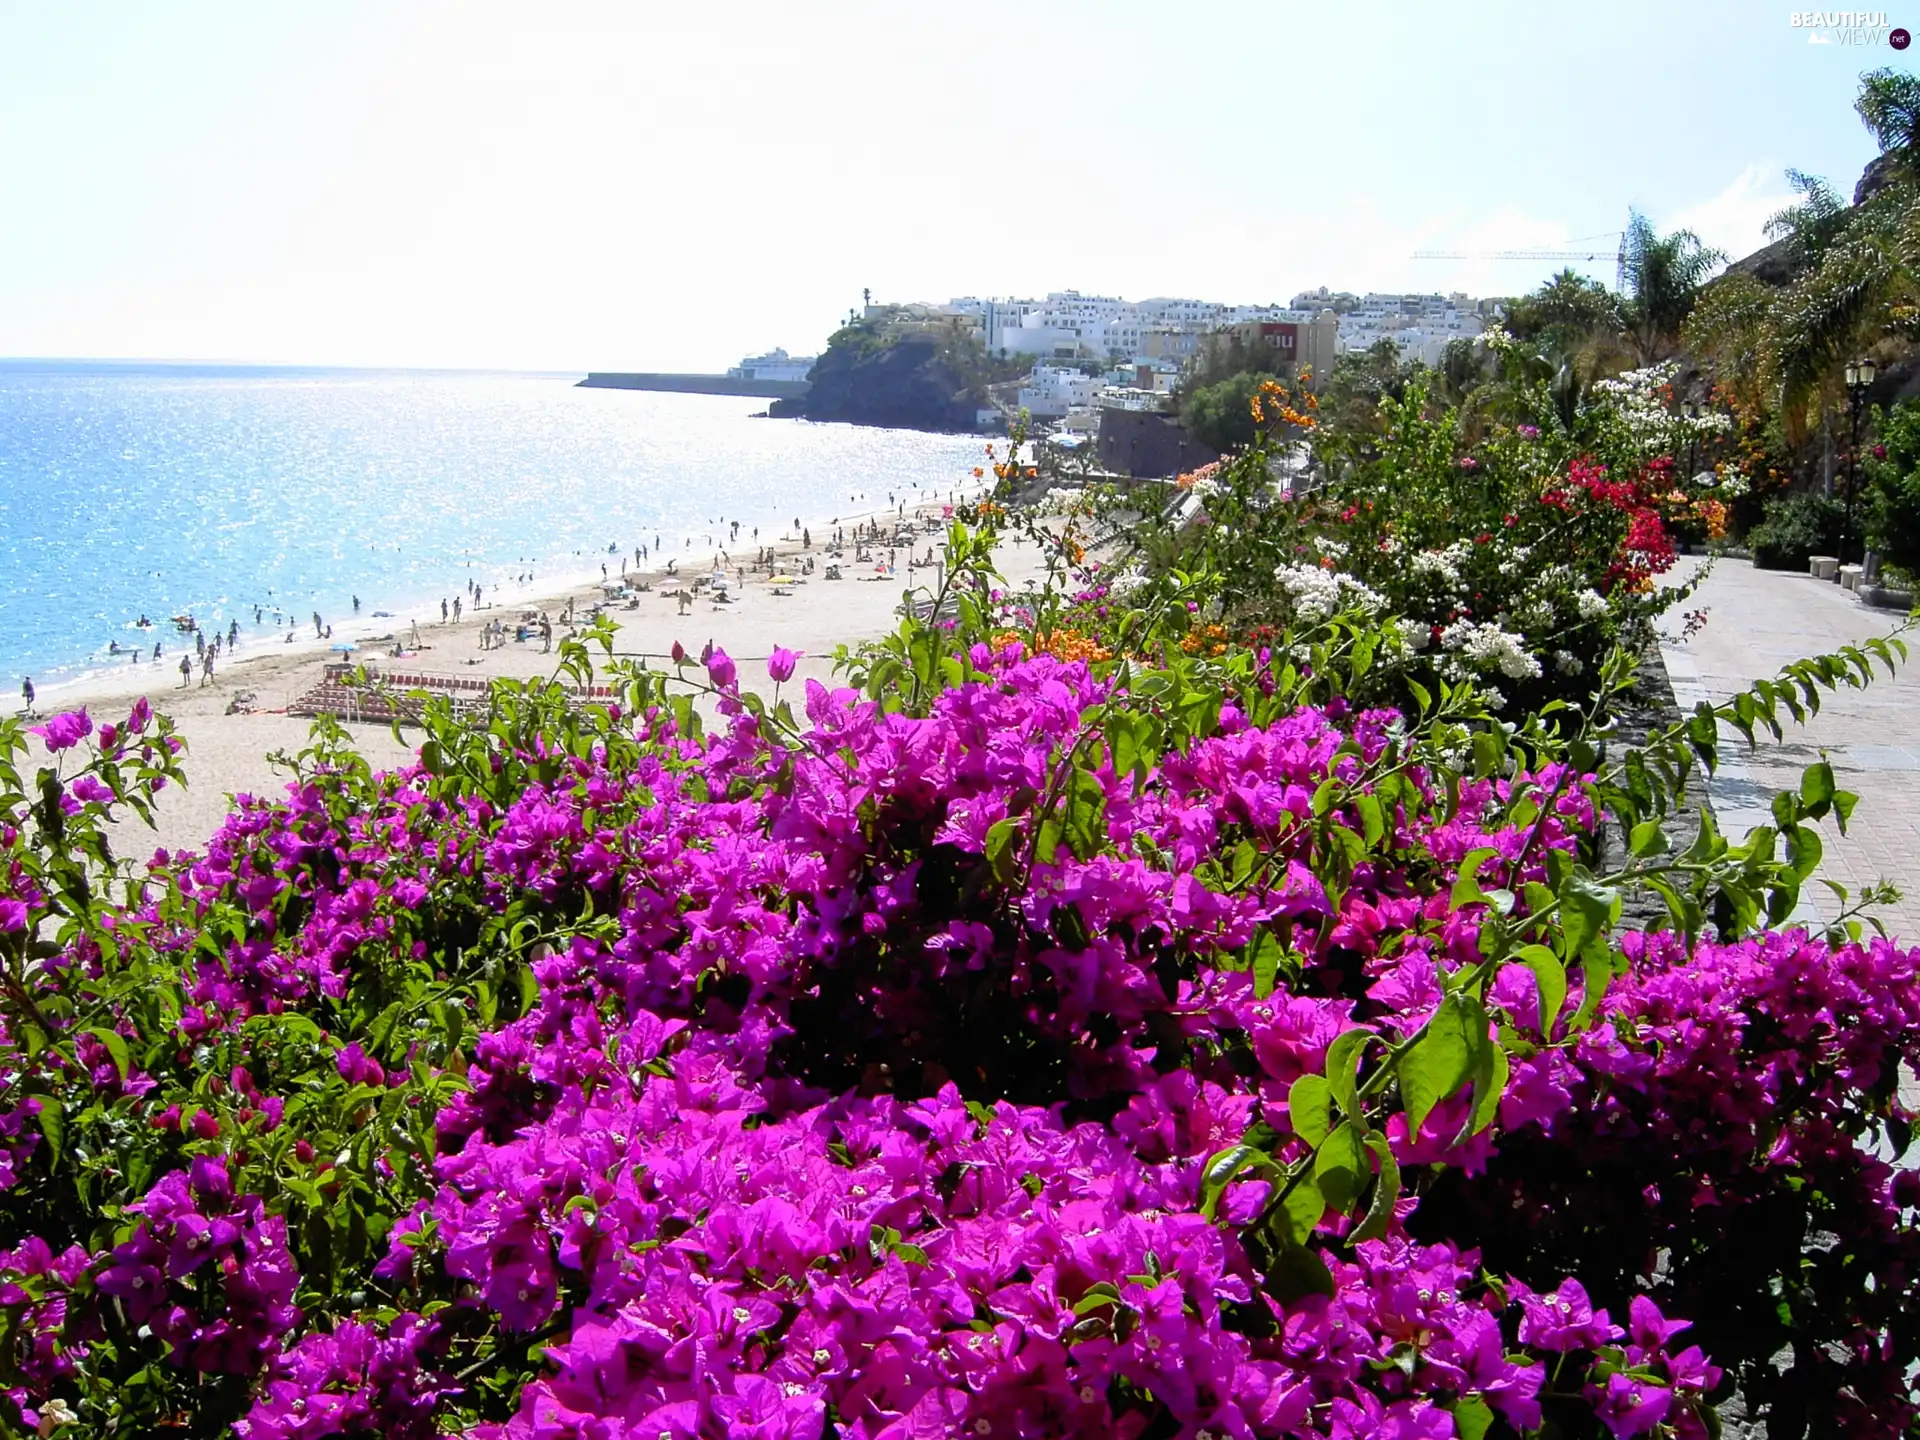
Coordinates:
column 206, row 670
column 186, row 672
column 316, row 625
column 26, row 695
column 456, row 609
column 443, row 612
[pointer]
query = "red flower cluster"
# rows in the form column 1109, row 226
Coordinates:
column 1588, row 475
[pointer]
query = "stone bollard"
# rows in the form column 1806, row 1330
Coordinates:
column 1823, row 567
column 1849, row 577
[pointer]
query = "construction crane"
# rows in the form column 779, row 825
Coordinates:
column 1587, row 255
column 1507, row 254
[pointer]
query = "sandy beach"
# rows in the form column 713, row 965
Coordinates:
column 227, row 752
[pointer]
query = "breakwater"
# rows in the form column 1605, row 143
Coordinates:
column 695, row 384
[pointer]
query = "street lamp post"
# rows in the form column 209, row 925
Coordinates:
column 1859, row 376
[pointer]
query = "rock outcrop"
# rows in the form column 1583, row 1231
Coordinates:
column 906, row 383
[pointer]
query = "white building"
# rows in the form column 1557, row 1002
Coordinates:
column 1421, row 326
column 1052, row 390
column 774, row 365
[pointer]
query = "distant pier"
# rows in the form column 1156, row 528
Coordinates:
column 696, row 384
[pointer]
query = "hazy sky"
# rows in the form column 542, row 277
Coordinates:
column 561, row 185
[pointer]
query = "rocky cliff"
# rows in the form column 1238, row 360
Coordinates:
column 898, row 368
column 907, row 385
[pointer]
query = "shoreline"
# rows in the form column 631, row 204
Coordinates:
column 228, row 751
column 266, row 661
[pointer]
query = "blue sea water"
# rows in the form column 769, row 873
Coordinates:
column 131, row 489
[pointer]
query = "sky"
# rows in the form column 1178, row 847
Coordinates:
column 642, row 185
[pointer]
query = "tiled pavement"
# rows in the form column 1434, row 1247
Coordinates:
column 1758, row 621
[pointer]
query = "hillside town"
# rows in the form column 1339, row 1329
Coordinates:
column 1104, row 373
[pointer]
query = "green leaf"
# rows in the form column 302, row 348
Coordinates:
column 1298, row 1271
column 1219, row 1173
column 1586, row 910
column 1125, row 733
column 1086, row 813
column 1100, row 1293
column 1265, row 953
column 1490, row 1072
column 1817, row 788
column 53, row 1122
column 1440, row 1063
column 1648, row 838
column 1596, row 974
column 1001, row 856
column 1342, row 1056
column 1302, row 1210
column 1386, row 1191
column 1373, row 819
column 1471, row 1417
column 116, row 1047
column 1047, row 848
column 1340, row 1168
column 1309, row 1106
column 1466, row 887
column 1550, row 977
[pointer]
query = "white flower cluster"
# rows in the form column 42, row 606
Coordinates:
column 1058, row 501
column 1125, row 583
column 1590, row 603
column 1482, row 645
column 1443, row 565
column 1633, row 397
column 1317, row 593
column 1414, row 635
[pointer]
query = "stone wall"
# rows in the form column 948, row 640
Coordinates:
column 1148, row 445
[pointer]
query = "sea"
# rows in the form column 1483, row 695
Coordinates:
column 131, row 491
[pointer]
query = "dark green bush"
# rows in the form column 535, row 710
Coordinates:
column 1797, row 527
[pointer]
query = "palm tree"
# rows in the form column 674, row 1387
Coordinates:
column 1889, row 106
column 1661, row 276
column 1814, row 224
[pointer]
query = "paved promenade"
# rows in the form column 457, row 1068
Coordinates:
column 1758, row 621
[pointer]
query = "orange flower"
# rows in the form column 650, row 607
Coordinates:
column 1064, row 644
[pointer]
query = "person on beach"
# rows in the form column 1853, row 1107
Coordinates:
column 806, row 539
column 156, row 652
column 233, row 633
column 26, row 693
column 186, row 672
column 356, row 604
column 456, row 609
column 206, row 670
column 443, row 612
column 316, row 625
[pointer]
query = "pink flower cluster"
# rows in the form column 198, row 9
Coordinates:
column 836, row 1105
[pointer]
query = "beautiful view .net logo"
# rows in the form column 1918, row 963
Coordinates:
column 1848, row 27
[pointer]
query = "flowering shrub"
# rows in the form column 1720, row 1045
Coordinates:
column 1516, row 549
column 1017, row 1045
